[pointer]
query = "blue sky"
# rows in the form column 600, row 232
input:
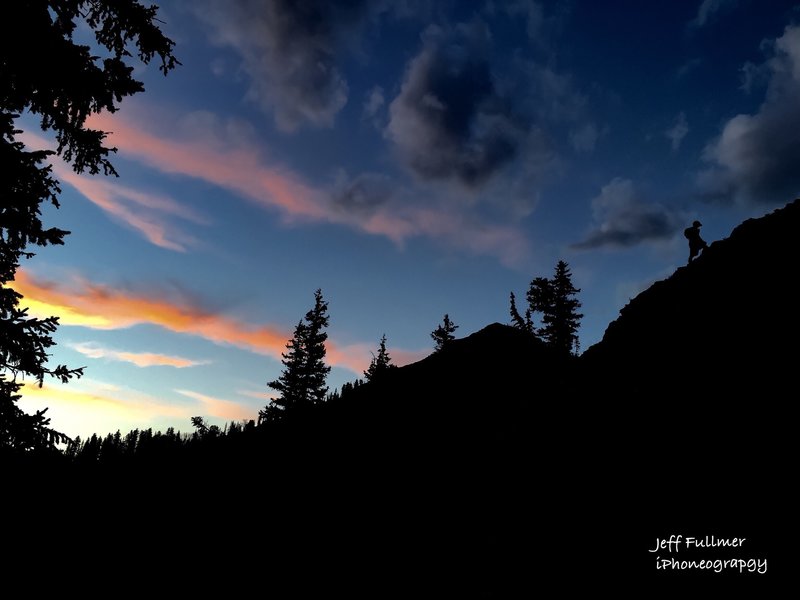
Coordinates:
column 411, row 159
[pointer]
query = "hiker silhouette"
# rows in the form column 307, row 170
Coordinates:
column 696, row 243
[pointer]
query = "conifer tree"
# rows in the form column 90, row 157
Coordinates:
column 525, row 324
column 316, row 371
column 562, row 328
column 380, row 363
column 555, row 299
column 302, row 381
column 443, row 334
column 48, row 75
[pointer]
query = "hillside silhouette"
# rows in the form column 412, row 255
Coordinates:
column 725, row 320
column 497, row 466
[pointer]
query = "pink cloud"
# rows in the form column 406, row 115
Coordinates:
column 227, row 159
column 141, row 211
column 220, row 408
column 227, row 155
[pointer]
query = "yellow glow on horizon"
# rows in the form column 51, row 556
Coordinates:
column 79, row 411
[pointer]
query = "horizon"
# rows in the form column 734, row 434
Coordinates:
column 410, row 162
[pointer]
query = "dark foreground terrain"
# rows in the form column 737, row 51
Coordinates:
column 495, row 468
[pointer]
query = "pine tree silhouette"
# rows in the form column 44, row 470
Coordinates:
column 380, row 362
column 556, row 300
column 302, row 381
column 443, row 334
column 525, row 324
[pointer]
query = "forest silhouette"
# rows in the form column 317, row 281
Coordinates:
column 500, row 465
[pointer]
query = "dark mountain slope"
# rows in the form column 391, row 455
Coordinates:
column 724, row 325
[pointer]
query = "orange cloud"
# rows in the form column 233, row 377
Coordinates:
column 95, row 306
column 140, row 359
column 101, row 307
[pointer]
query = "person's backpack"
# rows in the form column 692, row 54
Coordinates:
column 687, row 233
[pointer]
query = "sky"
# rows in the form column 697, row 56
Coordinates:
column 410, row 158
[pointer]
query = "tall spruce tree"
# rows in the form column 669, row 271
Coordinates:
column 443, row 334
column 302, row 381
column 555, row 299
column 380, row 363
column 47, row 74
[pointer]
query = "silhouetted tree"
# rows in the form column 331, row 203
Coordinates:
column 348, row 387
column 540, row 301
column 199, row 424
column 203, row 430
column 73, row 448
column 45, row 73
column 380, row 363
column 302, row 381
column 443, row 334
column 111, row 448
column 556, row 300
column 130, row 442
column 525, row 324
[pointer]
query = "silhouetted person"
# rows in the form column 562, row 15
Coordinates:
column 696, row 243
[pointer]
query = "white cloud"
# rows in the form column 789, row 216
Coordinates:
column 584, row 138
column 140, row 359
column 756, row 156
column 678, row 131
column 708, row 9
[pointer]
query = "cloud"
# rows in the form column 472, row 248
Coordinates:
column 84, row 407
column 624, row 219
column 86, row 304
column 708, row 9
column 262, row 395
column 140, row 359
column 755, row 158
column 584, row 138
column 678, row 131
column 688, row 67
column 94, row 306
column 140, row 211
column 533, row 13
column 385, row 208
column 450, row 121
column 374, row 102
column 363, row 193
column 540, row 26
column 147, row 213
column 225, row 153
column 217, row 407
column 288, row 50
column 221, row 152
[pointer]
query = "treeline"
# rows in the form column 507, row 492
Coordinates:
column 138, row 444
column 551, row 316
